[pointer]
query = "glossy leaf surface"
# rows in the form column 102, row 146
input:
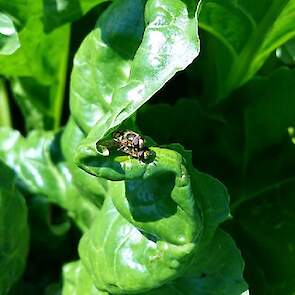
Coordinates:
column 41, row 170
column 110, row 83
column 204, row 276
column 154, row 209
column 76, row 281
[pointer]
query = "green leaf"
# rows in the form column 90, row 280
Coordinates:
column 14, row 231
column 9, row 41
column 218, row 271
column 221, row 273
column 130, row 62
column 90, row 186
column 31, row 158
column 38, row 70
column 267, row 149
column 265, row 227
column 158, row 206
column 41, row 170
column 122, row 259
column 263, row 127
column 243, row 34
column 76, row 281
column 59, row 12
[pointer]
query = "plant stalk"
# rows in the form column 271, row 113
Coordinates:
column 5, row 115
column 60, row 93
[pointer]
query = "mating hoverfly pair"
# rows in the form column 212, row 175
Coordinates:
column 132, row 144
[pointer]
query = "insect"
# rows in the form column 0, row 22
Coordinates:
column 132, row 144
column 128, row 138
column 144, row 154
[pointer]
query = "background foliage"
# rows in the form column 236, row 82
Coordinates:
column 211, row 87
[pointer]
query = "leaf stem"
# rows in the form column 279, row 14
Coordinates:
column 60, row 93
column 5, row 116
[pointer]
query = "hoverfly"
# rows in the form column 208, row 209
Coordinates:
column 132, row 144
column 128, row 138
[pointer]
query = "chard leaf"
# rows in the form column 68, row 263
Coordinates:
column 76, row 281
column 243, row 34
column 268, row 151
column 41, row 170
column 217, row 271
column 155, row 208
column 59, row 12
column 131, row 62
column 37, row 70
column 265, row 227
column 91, row 187
column 121, row 259
column 31, row 158
column 14, row 231
column 9, row 41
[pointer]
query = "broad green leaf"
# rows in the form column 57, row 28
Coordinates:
column 218, row 271
column 160, row 204
column 41, row 170
column 76, row 281
column 265, row 227
column 91, row 187
column 267, row 152
column 40, row 54
column 121, row 259
column 243, row 34
column 37, row 70
column 31, row 159
column 131, row 62
column 9, row 41
column 14, row 231
column 268, row 117
column 59, row 12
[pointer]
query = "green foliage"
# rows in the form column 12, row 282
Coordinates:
column 103, row 219
column 242, row 35
column 14, row 231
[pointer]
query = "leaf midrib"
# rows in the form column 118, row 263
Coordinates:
column 240, row 70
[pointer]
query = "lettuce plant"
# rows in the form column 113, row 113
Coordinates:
column 209, row 85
